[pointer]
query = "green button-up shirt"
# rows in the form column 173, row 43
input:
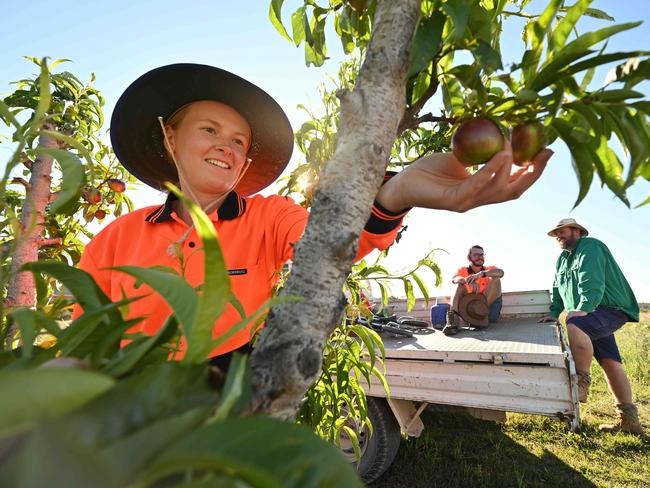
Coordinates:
column 588, row 277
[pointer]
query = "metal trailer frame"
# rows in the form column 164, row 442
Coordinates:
column 516, row 365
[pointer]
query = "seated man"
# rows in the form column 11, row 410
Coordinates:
column 477, row 279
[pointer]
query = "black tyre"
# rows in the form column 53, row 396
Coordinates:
column 378, row 450
column 411, row 322
column 395, row 329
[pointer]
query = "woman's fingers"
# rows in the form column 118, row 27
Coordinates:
column 534, row 171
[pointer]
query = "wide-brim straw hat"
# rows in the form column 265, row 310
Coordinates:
column 138, row 140
column 568, row 223
column 473, row 308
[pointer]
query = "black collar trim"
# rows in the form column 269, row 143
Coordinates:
column 232, row 207
column 471, row 271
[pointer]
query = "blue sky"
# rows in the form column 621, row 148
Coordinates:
column 120, row 40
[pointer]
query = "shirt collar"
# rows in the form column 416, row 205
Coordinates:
column 471, row 271
column 232, row 207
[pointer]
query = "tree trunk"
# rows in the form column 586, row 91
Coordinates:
column 21, row 291
column 288, row 358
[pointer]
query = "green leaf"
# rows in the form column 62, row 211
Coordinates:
column 180, row 296
column 34, row 395
column 123, row 364
column 567, row 24
column 80, row 283
column 610, row 170
column 275, row 16
column 62, row 462
column 599, row 14
column 410, row 297
column 587, row 112
column 237, row 391
column 615, row 96
column 216, row 287
column 298, row 25
column 599, row 60
column 421, row 285
column 295, row 458
column 74, row 178
column 362, row 332
column 131, row 454
column 486, row 56
column 632, row 72
column 630, row 131
column 72, row 142
column 139, row 400
column 9, row 117
column 582, row 157
column 44, row 96
column 27, row 323
column 426, row 43
column 572, row 51
column 458, row 12
column 536, row 32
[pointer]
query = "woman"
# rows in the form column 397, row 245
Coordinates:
column 222, row 139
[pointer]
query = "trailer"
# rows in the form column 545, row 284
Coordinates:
column 515, row 365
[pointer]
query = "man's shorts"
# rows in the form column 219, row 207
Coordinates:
column 600, row 326
column 495, row 310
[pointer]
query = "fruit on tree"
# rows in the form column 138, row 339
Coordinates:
column 527, row 140
column 92, row 195
column 476, row 141
column 118, row 186
column 100, row 214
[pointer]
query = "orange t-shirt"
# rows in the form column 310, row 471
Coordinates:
column 482, row 282
column 256, row 236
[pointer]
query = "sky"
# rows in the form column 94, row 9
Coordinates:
column 120, row 40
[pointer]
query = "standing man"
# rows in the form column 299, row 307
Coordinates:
column 590, row 286
column 479, row 279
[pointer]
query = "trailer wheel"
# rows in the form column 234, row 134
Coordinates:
column 378, row 450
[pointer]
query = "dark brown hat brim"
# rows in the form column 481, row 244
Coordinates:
column 466, row 311
column 138, row 140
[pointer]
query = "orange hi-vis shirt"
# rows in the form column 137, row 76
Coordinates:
column 256, row 236
column 482, row 282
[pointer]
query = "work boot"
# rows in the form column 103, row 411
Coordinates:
column 627, row 420
column 453, row 323
column 584, row 380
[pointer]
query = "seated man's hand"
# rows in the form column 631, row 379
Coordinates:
column 459, row 281
column 474, row 277
column 548, row 318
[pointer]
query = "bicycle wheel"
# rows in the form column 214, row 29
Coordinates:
column 413, row 322
column 396, row 330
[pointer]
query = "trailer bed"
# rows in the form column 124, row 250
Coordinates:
column 515, row 365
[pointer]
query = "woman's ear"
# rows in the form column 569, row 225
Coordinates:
column 170, row 139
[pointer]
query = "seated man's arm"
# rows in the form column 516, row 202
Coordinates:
column 494, row 273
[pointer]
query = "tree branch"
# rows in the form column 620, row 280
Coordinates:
column 288, row 357
column 21, row 291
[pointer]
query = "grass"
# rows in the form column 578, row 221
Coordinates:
column 530, row 451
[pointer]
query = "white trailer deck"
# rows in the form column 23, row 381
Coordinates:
column 515, row 365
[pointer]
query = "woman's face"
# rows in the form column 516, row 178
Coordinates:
column 211, row 144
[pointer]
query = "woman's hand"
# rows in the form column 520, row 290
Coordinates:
column 440, row 181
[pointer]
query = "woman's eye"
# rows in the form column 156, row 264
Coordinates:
column 209, row 130
column 238, row 141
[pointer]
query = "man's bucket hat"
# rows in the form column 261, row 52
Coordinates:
column 473, row 308
column 137, row 137
column 568, row 223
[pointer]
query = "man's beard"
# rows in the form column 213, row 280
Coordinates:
column 478, row 263
column 569, row 243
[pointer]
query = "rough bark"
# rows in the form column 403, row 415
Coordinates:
column 21, row 291
column 288, row 358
